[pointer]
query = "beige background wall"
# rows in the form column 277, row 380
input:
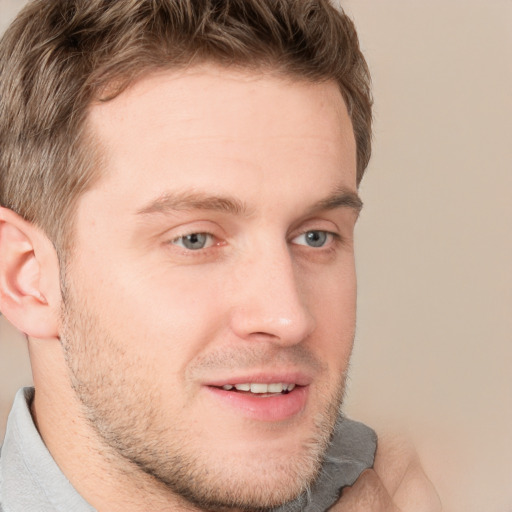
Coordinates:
column 434, row 341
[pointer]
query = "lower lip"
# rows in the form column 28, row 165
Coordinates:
column 266, row 408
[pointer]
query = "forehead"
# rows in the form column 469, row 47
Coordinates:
column 207, row 122
column 208, row 88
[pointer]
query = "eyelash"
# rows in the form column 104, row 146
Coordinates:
column 198, row 233
column 332, row 238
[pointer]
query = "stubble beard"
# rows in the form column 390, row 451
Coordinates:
column 130, row 430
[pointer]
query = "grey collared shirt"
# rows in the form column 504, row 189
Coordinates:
column 30, row 479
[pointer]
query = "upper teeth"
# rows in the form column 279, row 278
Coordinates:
column 258, row 387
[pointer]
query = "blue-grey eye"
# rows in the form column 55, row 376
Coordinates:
column 193, row 241
column 314, row 238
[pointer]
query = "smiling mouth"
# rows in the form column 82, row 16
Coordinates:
column 259, row 389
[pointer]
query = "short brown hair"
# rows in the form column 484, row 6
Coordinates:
column 59, row 56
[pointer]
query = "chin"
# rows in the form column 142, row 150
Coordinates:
column 248, row 486
column 262, row 477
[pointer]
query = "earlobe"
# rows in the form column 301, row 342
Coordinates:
column 29, row 277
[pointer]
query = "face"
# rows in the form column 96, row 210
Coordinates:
column 210, row 298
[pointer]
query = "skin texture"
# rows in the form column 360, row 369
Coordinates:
column 128, row 342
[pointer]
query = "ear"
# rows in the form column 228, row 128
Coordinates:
column 29, row 277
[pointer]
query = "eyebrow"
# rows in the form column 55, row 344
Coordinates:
column 182, row 201
column 341, row 198
column 176, row 201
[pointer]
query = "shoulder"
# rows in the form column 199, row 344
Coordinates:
column 399, row 468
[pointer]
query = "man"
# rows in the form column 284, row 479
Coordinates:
column 179, row 194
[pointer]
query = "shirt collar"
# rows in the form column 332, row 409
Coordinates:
column 29, row 477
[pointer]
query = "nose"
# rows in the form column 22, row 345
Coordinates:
column 270, row 303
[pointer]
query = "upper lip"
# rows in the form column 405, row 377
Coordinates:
column 300, row 378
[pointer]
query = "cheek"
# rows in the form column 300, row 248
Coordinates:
column 332, row 301
column 169, row 316
column 332, row 291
